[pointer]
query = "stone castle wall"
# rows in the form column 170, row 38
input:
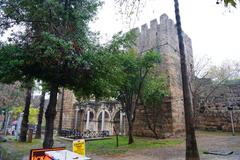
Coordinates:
column 163, row 38
column 214, row 114
column 164, row 125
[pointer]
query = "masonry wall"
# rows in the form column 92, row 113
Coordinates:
column 68, row 109
column 214, row 114
column 164, row 126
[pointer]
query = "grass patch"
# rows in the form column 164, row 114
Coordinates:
column 108, row 147
column 14, row 150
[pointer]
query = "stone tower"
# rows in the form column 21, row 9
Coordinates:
column 163, row 38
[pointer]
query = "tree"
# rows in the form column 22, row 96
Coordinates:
column 204, row 72
column 54, row 46
column 107, row 69
column 135, row 70
column 33, row 112
column 191, row 143
column 228, row 2
column 40, row 115
column 122, row 75
column 227, row 70
column 10, row 72
column 154, row 91
column 61, row 112
column 25, row 125
column 10, row 64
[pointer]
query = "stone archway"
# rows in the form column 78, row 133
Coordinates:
column 104, row 124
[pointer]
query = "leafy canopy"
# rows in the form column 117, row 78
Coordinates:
column 55, row 42
column 228, row 2
column 135, row 69
column 107, row 68
column 33, row 112
column 154, row 91
column 11, row 63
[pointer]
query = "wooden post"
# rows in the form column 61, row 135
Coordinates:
column 30, row 134
column 231, row 116
column 116, row 133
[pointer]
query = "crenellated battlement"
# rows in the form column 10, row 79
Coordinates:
column 159, row 35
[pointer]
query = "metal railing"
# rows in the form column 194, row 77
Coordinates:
column 76, row 134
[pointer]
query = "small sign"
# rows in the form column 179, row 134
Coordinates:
column 79, row 147
column 39, row 154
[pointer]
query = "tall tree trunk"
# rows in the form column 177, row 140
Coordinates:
column 61, row 113
column 40, row 116
column 130, row 136
column 195, row 103
column 191, row 144
column 152, row 119
column 50, row 116
column 130, row 128
column 4, row 120
column 24, row 125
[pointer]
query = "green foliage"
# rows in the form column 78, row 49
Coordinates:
column 11, row 63
column 33, row 112
column 230, row 2
column 107, row 68
column 17, row 111
column 55, row 43
column 155, row 89
column 14, row 150
column 135, row 69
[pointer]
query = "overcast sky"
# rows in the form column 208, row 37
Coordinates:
column 214, row 30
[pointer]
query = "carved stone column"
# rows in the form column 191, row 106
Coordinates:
column 121, row 123
column 103, row 120
column 76, row 117
column 88, row 118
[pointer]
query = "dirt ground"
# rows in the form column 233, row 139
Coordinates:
column 206, row 142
